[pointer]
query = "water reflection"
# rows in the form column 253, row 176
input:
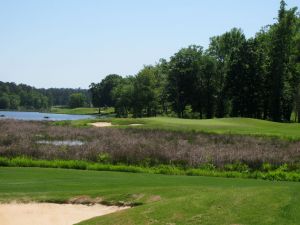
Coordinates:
column 41, row 116
column 59, row 143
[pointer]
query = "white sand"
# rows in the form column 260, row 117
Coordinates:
column 108, row 124
column 50, row 213
column 101, row 124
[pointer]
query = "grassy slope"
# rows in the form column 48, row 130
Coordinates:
column 244, row 126
column 184, row 200
column 81, row 111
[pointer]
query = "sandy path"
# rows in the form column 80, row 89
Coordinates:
column 50, row 213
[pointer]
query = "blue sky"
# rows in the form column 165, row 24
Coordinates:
column 71, row 43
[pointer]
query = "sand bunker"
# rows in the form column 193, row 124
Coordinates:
column 108, row 124
column 101, row 124
column 50, row 213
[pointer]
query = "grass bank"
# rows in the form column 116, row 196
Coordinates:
column 238, row 126
column 81, row 111
column 162, row 199
column 238, row 170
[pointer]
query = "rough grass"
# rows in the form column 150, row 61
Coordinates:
column 145, row 147
column 164, row 199
column 282, row 173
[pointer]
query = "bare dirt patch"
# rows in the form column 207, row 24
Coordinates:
column 50, row 213
column 154, row 198
column 85, row 200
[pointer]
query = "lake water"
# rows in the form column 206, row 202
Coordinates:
column 41, row 116
column 59, row 143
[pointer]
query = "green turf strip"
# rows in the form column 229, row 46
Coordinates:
column 165, row 199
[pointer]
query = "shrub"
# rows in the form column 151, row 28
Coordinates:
column 104, row 157
column 208, row 166
column 238, row 166
column 266, row 167
column 283, row 168
column 4, row 162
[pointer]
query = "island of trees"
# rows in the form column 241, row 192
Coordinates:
column 235, row 76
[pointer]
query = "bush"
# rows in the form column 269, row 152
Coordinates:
column 266, row 167
column 104, row 157
column 208, row 166
column 238, row 166
column 4, row 162
column 169, row 170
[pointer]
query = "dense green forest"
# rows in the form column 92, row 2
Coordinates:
column 67, row 96
column 13, row 96
column 256, row 77
column 24, row 97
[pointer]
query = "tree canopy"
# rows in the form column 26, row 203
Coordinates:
column 20, row 96
column 256, row 77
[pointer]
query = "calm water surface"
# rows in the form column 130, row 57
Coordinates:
column 59, row 143
column 41, row 116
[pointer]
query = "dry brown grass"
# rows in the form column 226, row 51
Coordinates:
column 150, row 147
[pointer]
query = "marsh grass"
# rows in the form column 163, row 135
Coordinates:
column 144, row 147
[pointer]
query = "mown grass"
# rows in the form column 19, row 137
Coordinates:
column 165, row 199
column 81, row 111
column 237, row 126
column 282, row 173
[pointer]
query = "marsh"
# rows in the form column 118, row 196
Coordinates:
column 43, row 140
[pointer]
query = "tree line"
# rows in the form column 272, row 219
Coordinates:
column 18, row 97
column 256, row 77
column 67, row 97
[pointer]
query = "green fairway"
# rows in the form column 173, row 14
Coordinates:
column 243, row 126
column 238, row 126
column 81, row 111
column 165, row 199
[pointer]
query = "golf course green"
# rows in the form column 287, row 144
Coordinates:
column 160, row 199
